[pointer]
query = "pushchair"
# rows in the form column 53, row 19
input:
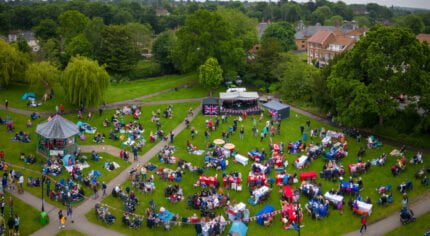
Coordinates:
column 406, row 216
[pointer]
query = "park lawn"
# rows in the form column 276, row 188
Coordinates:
column 138, row 88
column 180, row 111
column 14, row 92
column 70, row 233
column 29, row 216
column 116, row 92
column 194, row 91
column 339, row 224
column 419, row 227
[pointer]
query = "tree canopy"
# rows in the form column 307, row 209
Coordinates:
column 283, row 32
column 210, row 74
column 206, row 34
column 42, row 74
column 162, row 49
column 13, row 63
column 366, row 81
column 84, row 81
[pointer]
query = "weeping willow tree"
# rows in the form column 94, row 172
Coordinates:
column 84, row 81
column 42, row 75
column 12, row 64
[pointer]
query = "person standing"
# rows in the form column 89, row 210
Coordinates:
column 17, row 223
column 60, row 216
column 20, row 184
column 70, row 213
column 242, row 131
column 56, row 109
column 104, row 187
column 302, row 129
column 363, row 224
column 172, row 135
column 2, row 205
column 6, row 104
column 62, row 108
column 11, row 225
column 135, row 154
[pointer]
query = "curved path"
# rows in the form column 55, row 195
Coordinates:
column 419, row 206
column 81, row 223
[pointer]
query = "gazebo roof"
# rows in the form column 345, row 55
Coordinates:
column 275, row 105
column 57, row 128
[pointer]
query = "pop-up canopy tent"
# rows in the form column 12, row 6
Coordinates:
column 57, row 136
column 239, row 102
column 279, row 111
column 28, row 95
column 239, row 228
column 210, row 106
column 266, row 210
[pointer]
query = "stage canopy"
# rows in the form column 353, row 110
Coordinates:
column 244, row 96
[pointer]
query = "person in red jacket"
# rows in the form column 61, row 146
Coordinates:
column 363, row 224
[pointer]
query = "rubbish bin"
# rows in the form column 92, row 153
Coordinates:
column 43, row 218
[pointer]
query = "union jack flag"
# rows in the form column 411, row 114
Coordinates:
column 211, row 110
column 274, row 114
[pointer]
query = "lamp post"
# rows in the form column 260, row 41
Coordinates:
column 43, row 200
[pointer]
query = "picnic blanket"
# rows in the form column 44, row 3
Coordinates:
column 81, row 166
column 198, row 152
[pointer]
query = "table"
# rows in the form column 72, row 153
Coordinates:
column 260, row 191
column 239, row 207
column 229, row 146
column 333, row 198
column 241, row 159
column 308, row 175
column 219, row 141
column 300, row 162
column 325, row 141
column 365, row 207
column 288, row 192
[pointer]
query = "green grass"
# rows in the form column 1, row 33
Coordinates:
column 70, row 233
column 419, row 227
column 138, row 88
column 194, row 91
column 180, row 111
column 116, row 92
column 339, row 224
column 29, row 216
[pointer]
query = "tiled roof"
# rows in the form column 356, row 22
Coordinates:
column 320, row 36
column 424, row 37
column 311, row 30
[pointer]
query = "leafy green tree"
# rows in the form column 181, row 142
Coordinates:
column 262, row 69
column 117, row 50
column 162, row 49
column 388, row 62
column 413, row 22
column 283, row 32
column 292, row 12
column 362, row 21
column 210, row 74
column 93, row 32
column 297, row 77
column 79, row 45
column 141, row 35
column 206, row 34
column 244, row 28
column 72, row 23
column 46, row 29
column 22, row 45
column 13, row 64
column 122, row 16
column 84, row 81
column 334, row 20
column 51, row 51
column 321, row 14
column 42, row 74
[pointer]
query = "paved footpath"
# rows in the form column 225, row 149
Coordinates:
column 419, row 206
column 81, row 223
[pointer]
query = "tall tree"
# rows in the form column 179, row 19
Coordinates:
column 46, row 29
column 162, row 49
column 93, row 32
column 388, row 62
column 42, row 74
column 210, row 74
column 141, row 35
column 72, row 23
column 13, row 64
column 206, row 34
column 117, row 50
column 283, row 32
column 79, row 45
column 84, row 82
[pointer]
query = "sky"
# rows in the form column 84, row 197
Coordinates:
column 400, row 3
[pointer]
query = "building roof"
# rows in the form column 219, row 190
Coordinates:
column 57, row 128
column 239, row 96
column 343, row 40
column 275, row 105
column 27, row 35
column 320, row 36
column 309, row 31
column 210, row 101
column 424, row 37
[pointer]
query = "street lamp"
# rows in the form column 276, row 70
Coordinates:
column 43, row 200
